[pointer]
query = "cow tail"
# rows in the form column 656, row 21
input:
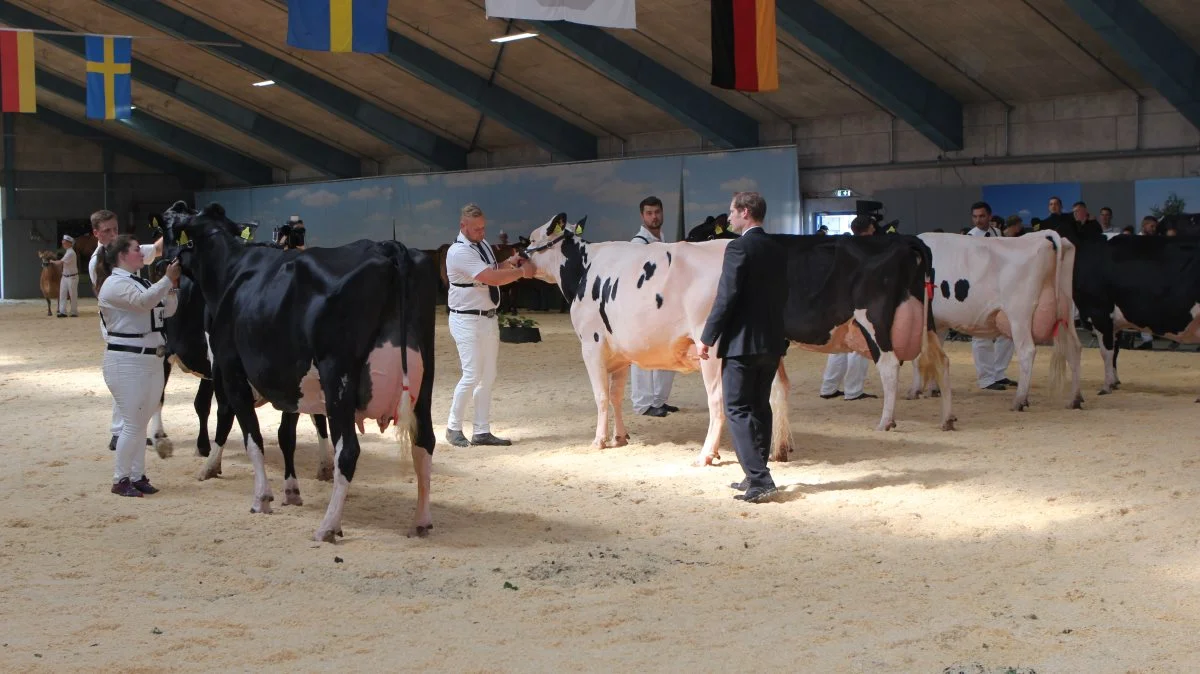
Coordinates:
column 1065, row 336
column 932, row 361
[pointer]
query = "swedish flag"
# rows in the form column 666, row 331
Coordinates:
column 338, row 25
column 109, row 92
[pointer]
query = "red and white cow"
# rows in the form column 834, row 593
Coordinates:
column 1016, row 287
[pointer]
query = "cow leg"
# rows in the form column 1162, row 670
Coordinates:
column 48, row 311
column 616, row 394
column 339, row 387
column 212, row 467
column 918, row 384
column 889, row 379
column 593, row 358
column 710, row 370
column 1025, row 350
column 202, row 403
column 287, row 445
column 237, row 390
column 781, row 426
column 325, row 472
column 1105, row 333
column 162, row 444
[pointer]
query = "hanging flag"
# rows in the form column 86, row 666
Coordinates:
column 338, row 25
column 607, row 13
column 109, row 90
column 743, row 45
column 17, row 89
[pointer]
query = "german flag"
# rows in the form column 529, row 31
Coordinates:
column 743, row 45
column 17, row 88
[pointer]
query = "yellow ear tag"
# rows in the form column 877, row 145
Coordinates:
column 719, row 230
column 578, row 230
column 246, row 233
column 183, row 238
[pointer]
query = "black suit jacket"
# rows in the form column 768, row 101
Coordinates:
column 747, row 316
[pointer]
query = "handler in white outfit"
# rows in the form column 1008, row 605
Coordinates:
column 68, row 287
column 472, row 299
column 848, row 370
column 649, row 389
column 992, row 355
column 104, row 228
column 133, row 311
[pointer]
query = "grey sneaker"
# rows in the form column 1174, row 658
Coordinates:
column 456, row 438
column 489, row 439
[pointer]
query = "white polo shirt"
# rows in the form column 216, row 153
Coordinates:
column 644, row 236
column 464, row 261
column 990, row 231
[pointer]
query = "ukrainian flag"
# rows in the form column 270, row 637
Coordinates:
column 338, row 25
column 109, row 92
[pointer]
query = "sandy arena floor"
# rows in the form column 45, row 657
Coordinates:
column 1064, row 541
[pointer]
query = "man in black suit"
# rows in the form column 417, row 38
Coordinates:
column 747, row 318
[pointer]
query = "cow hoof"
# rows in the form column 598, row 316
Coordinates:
column 620, row 441
column 421, row 530
column 948, row 425
column 1116, row 385
column 935, row 393
column 886, row 426
column 325, row 473
column 1020, row 407
column 913, row 395
column 1077, row 403
column 706, row 460
column 164, row 447
column 292, row 497
column 262, row 505
column 203, row 450
column 1103, row 392
column 206, row 473
column 326, row 536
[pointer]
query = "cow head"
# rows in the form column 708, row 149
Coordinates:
column 712, row 228
column 548, row 243
column 47, row 256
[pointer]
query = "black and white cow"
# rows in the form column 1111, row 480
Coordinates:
column 344, row 331
column 712, row 228
column 1145, row 283
column 646, row 304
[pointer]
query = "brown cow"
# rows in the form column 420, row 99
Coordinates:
column 51, row 275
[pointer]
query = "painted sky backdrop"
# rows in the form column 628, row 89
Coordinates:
column 425, row 207
column 1148, row 194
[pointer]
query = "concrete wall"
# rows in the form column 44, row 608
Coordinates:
column 59, row 183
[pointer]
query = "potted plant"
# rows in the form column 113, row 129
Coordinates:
column 517, row 330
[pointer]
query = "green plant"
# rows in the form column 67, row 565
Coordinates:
column 514, row 320
column 1172, row 206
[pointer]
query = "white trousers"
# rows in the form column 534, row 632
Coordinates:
column 136, row 383
column 849, row 370
column 992, row 357
column 68, row 289
column 649, row 388
column 478, row 342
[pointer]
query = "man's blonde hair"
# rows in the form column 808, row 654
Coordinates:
column 471, row 211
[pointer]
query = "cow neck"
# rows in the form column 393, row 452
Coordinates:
column 573, row 268
column 215, row 252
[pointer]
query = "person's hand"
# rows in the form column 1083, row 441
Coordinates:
column 174, row 271
column 528, row 269
column 512, row 262
column 703, row 352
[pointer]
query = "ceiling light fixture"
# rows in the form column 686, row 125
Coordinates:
column 264, row 83
column 510, row 38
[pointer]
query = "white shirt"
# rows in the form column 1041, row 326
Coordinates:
column 644, row 236
column 148, row 252
column 464, row 262
column 128, row 308
column 70, row 268
column 990, row 231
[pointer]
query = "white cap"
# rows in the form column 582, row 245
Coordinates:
column 294, row 219
column 68, row 238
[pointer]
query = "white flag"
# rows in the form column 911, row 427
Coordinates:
column 607, row 13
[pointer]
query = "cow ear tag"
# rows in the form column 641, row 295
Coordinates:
column 246, row 233
column 183, row 238
column 578, row 230
column 719, row 229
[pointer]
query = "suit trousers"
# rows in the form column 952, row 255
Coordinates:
column 992, row 357
column 746, row 382
column 136, row 383
column 478, row 342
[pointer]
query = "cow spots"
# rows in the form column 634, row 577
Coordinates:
column 945, row 289
column 596, row 290
column 668, row 258
column 658, row 300
column 612, row 297
column 605, row 295
column 596, row 336
column 961, row 288
column 647, row 273
column 573, row 273
column 1053, row 243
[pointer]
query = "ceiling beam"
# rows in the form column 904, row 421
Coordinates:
column 179, row 140
column 316, row 154
column 189, row 177
column 1170, row 64
column 715, row 120
column 405, row 136
column 908, row 94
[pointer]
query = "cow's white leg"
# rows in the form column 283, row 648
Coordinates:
column 1025, row 352
column 616, row 395
column 593, row 358
column 889, row 378
column 162, row 444
column 918, row 385
column 1110, row 369
column 331, row 525
column 262, row 486
column 423, row 464
column 324, row 449
column 781, row 426
column 212, row 465
column 710, row 370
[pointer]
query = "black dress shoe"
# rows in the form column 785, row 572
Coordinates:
column 457, row 438
column 669, row 408
column 1007, row 382
column 996, row 386
column 143, row 485
column 835, row 394
column 757, row 494
column 863, row 396
column 654, row 412
column 740, row 486
column 489, row 439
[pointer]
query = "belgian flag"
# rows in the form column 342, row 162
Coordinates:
column 744, row 53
